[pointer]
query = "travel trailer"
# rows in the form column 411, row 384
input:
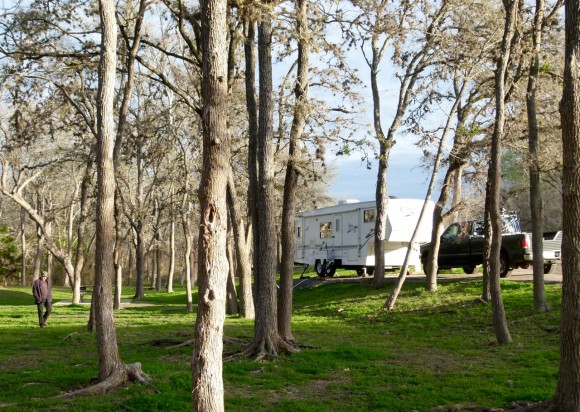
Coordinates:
column 342, row 236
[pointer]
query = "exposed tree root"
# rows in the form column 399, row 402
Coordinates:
column 263, row 348
column 121, row 376
column 163, row 342
column 176, row 344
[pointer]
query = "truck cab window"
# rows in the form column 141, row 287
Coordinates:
column 326, row 230
column 450, row 233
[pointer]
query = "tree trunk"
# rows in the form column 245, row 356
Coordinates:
column 171, row 271
column 242, row 255
column 494, row 177
column 23, row 247
column 139, row 262
column 208, row 391
column 267, row 341
column 109, row 361
column 568, row 392
column 540, row 303
column 232, row 297
column 187, row 257
column 288, row 240
column 252, row 109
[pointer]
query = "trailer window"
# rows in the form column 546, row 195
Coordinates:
column 299, row 231
column 369, row 215
column 326, row 230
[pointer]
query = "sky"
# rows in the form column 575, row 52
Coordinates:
column 406, row 177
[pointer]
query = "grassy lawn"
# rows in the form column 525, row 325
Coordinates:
column 434, row 349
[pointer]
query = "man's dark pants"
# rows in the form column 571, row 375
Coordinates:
column 42, row 317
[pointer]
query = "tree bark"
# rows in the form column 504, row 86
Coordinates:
column 568, row 391
column 208, row 391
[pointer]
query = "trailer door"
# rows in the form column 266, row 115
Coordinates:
column 337, row 234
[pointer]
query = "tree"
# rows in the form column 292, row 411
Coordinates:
column 208, row 392
column 540, row 302
column 493, row 212
column 567, row 396
column 292, row 172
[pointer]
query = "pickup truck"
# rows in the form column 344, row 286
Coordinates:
column 462, row 246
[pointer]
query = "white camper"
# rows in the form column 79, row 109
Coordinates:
column 342, row 236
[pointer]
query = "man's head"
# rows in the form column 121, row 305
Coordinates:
column 44, row 274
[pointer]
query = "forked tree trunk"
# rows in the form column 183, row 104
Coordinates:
column 568, row 392
column 266, row 341
column 208, row 391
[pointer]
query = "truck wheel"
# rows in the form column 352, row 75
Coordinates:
column 320, row 268
column 504, row 265
column 330, row 269
column 547, row 268
column 469, row 269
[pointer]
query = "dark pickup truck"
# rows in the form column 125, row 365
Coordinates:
column 462, row 246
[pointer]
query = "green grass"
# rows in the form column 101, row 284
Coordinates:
column 433, row 349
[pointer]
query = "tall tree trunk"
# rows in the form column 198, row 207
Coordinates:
column 568, row 392
column 540, row 303
column 252, row 109
column 494, row 177
column 109, row 360
column 288, row 240
column 208, row 391
column 381, row 194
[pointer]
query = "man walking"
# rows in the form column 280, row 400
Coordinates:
column 42, row 291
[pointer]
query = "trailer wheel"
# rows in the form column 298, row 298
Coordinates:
column 547, row 268
column 360, row 271
column 320, row 268
column 330, row 269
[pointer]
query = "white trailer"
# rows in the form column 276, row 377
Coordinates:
column 342, row 236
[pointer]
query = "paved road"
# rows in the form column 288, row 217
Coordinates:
column 517, row 275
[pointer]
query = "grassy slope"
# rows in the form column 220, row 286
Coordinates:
column 434, row 349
